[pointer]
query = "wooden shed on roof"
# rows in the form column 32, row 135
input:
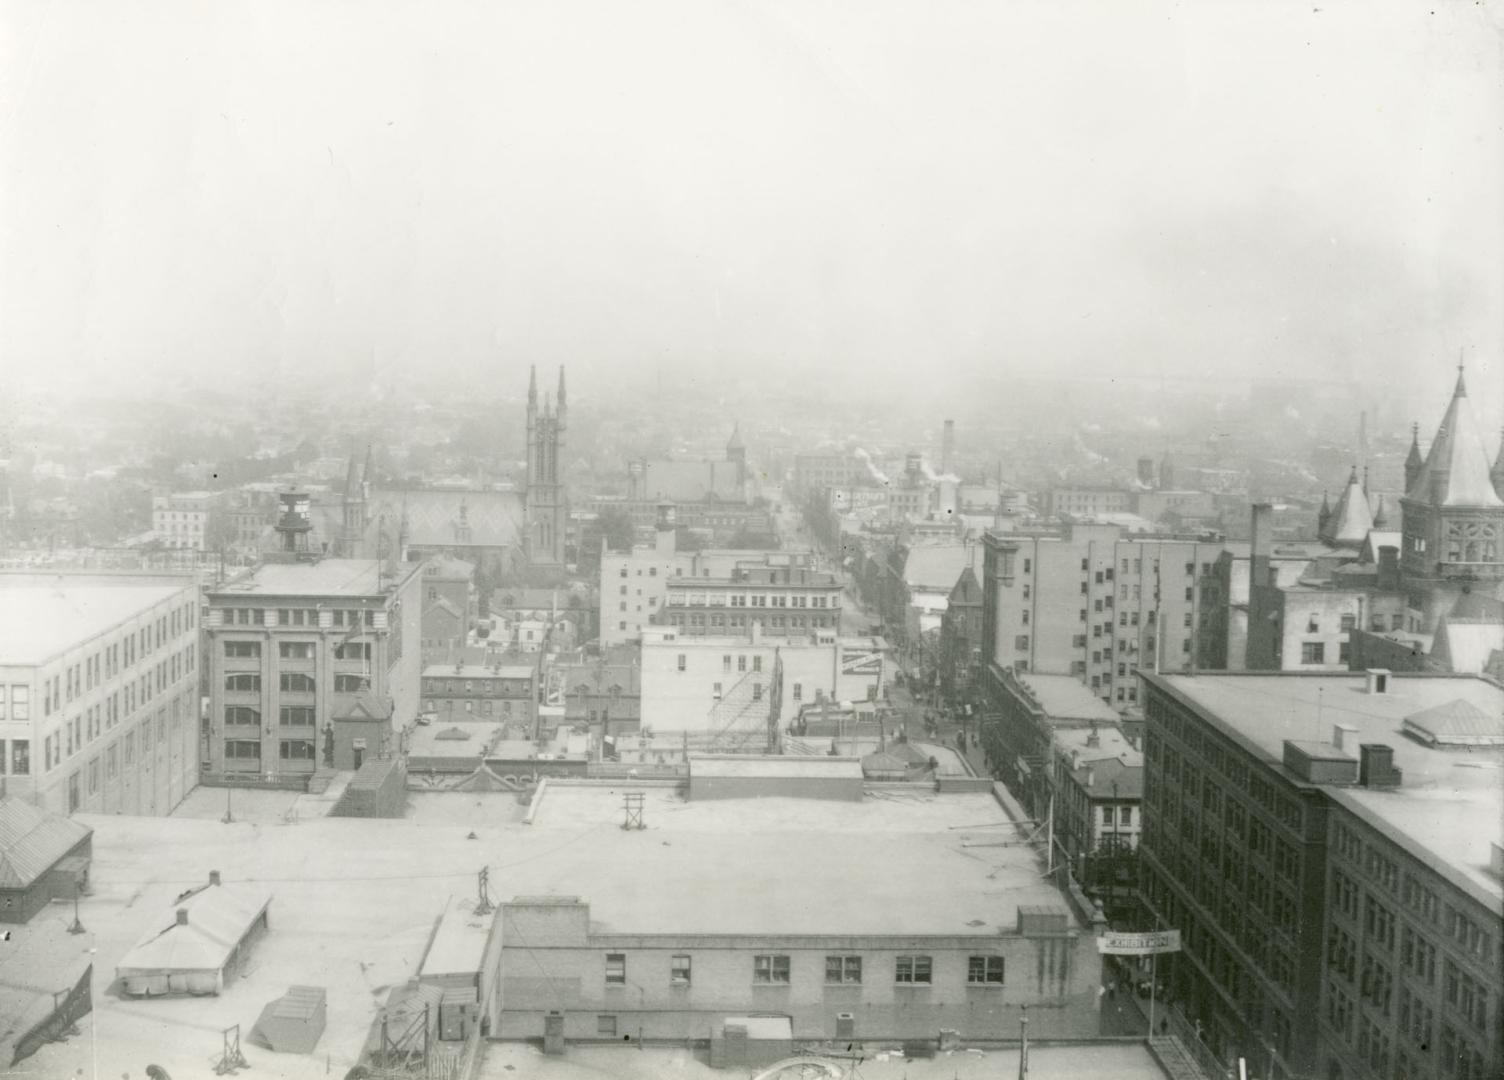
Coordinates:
column 42, row 856
column 203, row 947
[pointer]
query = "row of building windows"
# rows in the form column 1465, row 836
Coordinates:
column 93, row 721
column 341, row 617
column 296, row 650
column 483, row 687
column 77, row 679
column 695, row 619
column 483, row 707
column 287, row 750
column 290, row 716
column 776, row 969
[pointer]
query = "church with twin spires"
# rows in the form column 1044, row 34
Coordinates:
column 504, row 533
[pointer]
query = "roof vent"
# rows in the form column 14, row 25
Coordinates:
column 1376, row 766
column 182, row 916
column 1376, row 681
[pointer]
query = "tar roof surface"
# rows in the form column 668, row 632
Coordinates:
column 39, row 621
column 895, row 863
column 1451, row 801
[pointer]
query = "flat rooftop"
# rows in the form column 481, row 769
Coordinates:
column 326, row 577
column 1450, row 804
column 896, row 863
column 1065, row 697
column 753, row 766
column 1111, row 743
column 446, row 740
column 37, row 622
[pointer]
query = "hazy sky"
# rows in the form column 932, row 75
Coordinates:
column 921, row 189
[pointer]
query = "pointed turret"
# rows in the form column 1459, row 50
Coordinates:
column 1456, row 470
column 1381, row 511
column 1351, row 519
column 1324, row 515
column 1413, row 460
column 735, row 442
column 1497, row 472
column 368, row 473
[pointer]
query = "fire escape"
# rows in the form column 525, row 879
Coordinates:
column 745, row 719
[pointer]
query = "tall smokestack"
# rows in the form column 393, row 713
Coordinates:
column 948, row 447
column 1262, row 545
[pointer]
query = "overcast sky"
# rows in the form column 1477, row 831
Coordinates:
column 917, row 189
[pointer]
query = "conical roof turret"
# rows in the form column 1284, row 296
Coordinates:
column 1414, row 462
column 1456, row 469
column 1351, row 519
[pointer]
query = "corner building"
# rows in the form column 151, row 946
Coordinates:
column 1328, row 844
column 98, row 691
column 295, row 648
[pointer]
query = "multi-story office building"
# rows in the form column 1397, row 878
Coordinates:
column 181, row 520
column 492, row 693
column 1328, row 846
column 1094, row 604
column 99, row 691
column 634, row 584
column 309, row 654
column 787, row 601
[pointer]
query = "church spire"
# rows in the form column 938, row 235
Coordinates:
column 532, row 387
column 1324, row 515
column 563, row 401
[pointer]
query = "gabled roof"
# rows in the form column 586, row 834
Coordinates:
column 32, row 841
column 968, row 590
column 219, row 918
column 367, row 706
column 1456, row 470
column 1352, row 518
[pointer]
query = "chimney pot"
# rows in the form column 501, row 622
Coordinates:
column 213, row 877
column 182, row 916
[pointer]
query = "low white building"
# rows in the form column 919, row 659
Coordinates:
column 710, row 684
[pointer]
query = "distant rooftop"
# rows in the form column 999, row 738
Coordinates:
column 37, row 622
column 1450, row 804
column 756, row 765
column 325, row 577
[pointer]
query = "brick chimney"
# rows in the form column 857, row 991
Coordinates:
column 214, row 877
column 182, row 916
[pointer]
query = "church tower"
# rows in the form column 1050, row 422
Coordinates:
column 547, row 505
column 355, row 507
column 1452, row 519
